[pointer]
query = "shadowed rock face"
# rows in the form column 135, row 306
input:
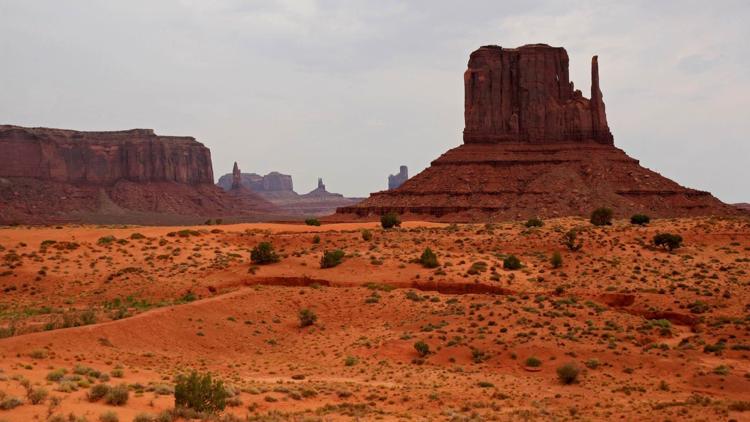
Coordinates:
column 132, row 176
column 525, row 94
column 534, row 147
column 102, row 158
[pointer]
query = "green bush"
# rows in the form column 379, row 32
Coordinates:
column 640, row 219
column 307, row 318
column 422, row 348
column 106, row 240
column 97, row 392
column 390, row 220
column 37, row 395
column 312, row 222
column 533, row 362
column 117, row 395
column 429, row 259
column 601, row 217
column 331, row 259
column 568, row 373
column 534, row 222
column 511, row 262
column 200, row 393
column 263, row 253
column 366, row 235
column 668, row 241
column 556, row 260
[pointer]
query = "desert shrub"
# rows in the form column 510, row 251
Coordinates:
column 511, row 262
column 571, row 241
column 390, row 220
column 740, row 406
column 307, row 317
column 144, row 417
column 97, row 392
column 200, row 393
column 350, row 361
column 9, row 403
column 640, row 219
column 366, row 235
column 37, row 395
column 568, row 373
column 263, row 253
column 56, row 375
column 312, row 222
column 556, row 260
column 137, row 236
column 316, row 239
column 534, row 222
column 428, row 259
column 109, row 416
column 533, row 362
column 668, row 241
column 601, row 217
column 106, row 240
column 331, row 259
column 422, row 348
column 117, row 395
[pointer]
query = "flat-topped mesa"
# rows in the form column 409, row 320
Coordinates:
column 102, row 158
column 525, row 95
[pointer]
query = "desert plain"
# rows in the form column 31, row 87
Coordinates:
column 652, row 334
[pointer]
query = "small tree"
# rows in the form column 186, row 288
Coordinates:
column 331, row 259
column 390, row 220
column 422, row 348
column 668, row 241
column 601, row 217
column 312, row 222
column 429, row 259
column 307, row 318
column 571, row 241
column 640, row 219
column 556, row 260
column 200, row 393
column 511, row 262
column 534, row 222
column 568, row 373
column 263, row 253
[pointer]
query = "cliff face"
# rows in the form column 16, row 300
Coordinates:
column 133, row 176
column 534, row 147
column 525, row 94
column 102, row 158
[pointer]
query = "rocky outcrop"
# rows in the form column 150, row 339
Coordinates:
column 102, row 158
column 133, row 175
column 274, row 182
column 743, row 206
column 396, row 180
column 533, row 146
column 525, row 94
column 277, row 188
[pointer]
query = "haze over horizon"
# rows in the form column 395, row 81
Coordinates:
column 348, row 91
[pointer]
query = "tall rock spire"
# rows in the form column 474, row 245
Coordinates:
column 598, row 115
column 236, row 177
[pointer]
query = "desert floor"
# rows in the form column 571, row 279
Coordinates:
column 657, row 335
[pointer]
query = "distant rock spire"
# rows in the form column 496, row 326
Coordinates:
column 320, row 184
column 236, row 177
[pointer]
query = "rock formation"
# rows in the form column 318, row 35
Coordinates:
column 134, row 175
column 534, row 146
column 277, row 188
column 396, row 180
column 743, row 206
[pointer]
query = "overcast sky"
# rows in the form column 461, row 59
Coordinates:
column 349, row 90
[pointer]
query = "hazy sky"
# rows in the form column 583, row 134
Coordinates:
column 349, row 90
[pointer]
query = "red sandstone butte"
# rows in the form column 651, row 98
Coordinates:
column 135, row 176
column 534, row 146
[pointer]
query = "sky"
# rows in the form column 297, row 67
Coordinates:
column 349, row 90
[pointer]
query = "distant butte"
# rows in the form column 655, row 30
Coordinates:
column 131, row 176
column 534, row 146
